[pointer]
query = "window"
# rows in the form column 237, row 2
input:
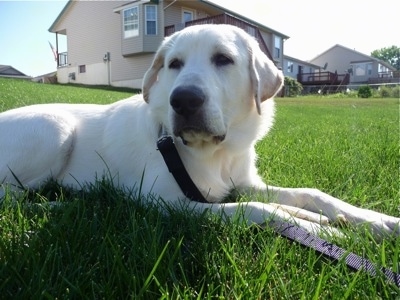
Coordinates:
column 290, row 66
column 359, row 70
column 369, row 69
column 187, row 15
column 277, row 46
column 82, row 69
column 382, row 69
column 131, row 22
column 151, row 19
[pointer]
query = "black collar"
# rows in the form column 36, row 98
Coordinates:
column 166, row 146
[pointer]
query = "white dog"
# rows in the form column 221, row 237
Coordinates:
column 208, row 87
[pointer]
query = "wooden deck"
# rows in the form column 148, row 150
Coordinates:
column 392, row 77
column 224, row 19
column 323, row 78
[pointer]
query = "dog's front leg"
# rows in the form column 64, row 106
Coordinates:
column 336, row 210
column 261, row 213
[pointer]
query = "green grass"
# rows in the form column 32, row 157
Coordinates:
column 100, row 244
column 16, row 93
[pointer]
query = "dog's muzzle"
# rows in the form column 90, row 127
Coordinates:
column 189, row 120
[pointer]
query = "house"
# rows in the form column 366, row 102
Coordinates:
column 9, row 71
column 314, row 77
column 293, row 66
column 361, row 68
column 46, row 78
column 114, row 42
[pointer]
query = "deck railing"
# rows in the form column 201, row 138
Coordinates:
column 223, row 19
column 62, row 60
column 323, row 78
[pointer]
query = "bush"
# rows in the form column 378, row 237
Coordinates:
column 293, row 88
column 389, row 92
column 364, row 91
column 384, row 92
column 396, row 92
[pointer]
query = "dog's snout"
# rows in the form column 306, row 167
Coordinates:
column 187, row 100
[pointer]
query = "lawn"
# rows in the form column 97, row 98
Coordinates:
column 101, row 244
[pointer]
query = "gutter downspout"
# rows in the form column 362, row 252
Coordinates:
column 107, row 60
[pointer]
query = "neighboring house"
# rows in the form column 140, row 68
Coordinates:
column 293, row 66
column 113, row 42
column 314, row 77
column 46, row 78
column 360, row 67
column 9, row 71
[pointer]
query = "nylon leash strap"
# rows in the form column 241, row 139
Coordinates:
column 332, row 251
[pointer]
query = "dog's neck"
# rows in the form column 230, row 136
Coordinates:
column 166, row 146
column 162, row 131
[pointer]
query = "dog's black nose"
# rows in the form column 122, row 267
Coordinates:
column 187, row 100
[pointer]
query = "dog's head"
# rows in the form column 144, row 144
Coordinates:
column 207, row 78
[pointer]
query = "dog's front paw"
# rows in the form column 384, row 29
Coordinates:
column 381, row 225
column 391, row 225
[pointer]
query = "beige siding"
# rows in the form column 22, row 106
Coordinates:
column 133, row 67
column 132, row 45
column 173, row 13
column 92, row 30
column 151, row 42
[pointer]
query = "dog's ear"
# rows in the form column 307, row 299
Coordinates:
column 266, row 78
column 151, row 76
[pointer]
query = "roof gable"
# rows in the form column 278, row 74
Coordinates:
column 299, row 61
column 60, row 16
column 363, row 57
column 342, row 47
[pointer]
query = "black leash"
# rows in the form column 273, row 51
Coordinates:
column 332, row 251
column 175, row 165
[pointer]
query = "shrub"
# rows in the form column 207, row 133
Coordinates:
column 364, row 91
column 395, row 92
column 293, row 88
column 384, row 92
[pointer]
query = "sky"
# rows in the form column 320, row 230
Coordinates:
column 312, row 25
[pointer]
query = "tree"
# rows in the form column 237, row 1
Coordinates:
column 390, row 55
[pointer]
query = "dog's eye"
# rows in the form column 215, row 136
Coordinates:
column 175, row 64
column 221, row 60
